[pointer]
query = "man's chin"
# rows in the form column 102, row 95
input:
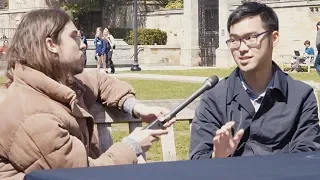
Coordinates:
column 246, row 68
column 77, row 70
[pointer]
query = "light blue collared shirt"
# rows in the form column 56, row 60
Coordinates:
column 254, row 98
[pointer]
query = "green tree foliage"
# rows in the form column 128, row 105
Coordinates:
column 83, row 6
column 78, row 7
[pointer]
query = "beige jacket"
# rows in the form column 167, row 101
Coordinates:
column 46, row 125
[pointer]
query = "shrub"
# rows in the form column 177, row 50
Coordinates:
column 302, row 68
column 177, row 4
column 147, row 37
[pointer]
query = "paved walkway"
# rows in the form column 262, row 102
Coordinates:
column 192, row 79
column 153, row 68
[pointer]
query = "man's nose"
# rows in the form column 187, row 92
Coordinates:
column 82, row 45
column 243, row 46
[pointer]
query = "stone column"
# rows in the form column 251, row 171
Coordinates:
column 190, row 45
column 223, row 55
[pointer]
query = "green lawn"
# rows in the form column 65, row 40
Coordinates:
column 151, row 90
column 148, row 89
column 2, row 79
column 312, row 76
column 192, row 72
column 181, row 133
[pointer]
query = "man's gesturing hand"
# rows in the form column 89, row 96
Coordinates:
column 224, row 143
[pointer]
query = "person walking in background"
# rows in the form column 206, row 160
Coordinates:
column 100, row 44
column 109, row 51
column 84, row 40
column 317, row 61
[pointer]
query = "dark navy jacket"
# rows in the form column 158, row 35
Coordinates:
column 287, row 120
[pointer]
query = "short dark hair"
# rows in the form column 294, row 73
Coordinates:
column 268, row 16
column 306, row 42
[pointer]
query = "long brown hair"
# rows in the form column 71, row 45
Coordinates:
column 28, row 45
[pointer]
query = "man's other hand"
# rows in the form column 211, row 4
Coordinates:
column 224, row 142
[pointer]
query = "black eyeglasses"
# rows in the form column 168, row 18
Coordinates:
column 248, row 40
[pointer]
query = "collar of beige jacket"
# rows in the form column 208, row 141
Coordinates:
column 44, row 84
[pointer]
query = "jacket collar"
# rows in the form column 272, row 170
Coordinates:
column 235, row 87
column 38, row 81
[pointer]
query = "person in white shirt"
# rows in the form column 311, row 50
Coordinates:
column 109, row 50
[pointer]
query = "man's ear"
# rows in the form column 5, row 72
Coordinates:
column 275, row 38
column 52, row 47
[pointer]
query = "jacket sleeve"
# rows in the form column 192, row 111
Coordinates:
column 118, row 153
column 104, row 46
column 43, row 142
column 112, row 40
column 8, row 171
column 307, row 135
column 95, row 40
column 206, row 122
column 110, row 91
column 85, row 42
column 318, row 40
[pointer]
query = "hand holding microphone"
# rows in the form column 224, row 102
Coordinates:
column 144, row 137
column 160, row 123
column 148, row 114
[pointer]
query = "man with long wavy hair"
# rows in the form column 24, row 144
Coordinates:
column 45, row 119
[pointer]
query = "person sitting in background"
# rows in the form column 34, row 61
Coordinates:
column 45, row 119
column 308, row 51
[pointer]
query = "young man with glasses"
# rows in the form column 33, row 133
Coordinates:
column 257, row 109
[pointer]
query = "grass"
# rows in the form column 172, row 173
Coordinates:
column 151, row 90
column 2, row 79
column 181, row 133
column 312, row 76
column 192, row 72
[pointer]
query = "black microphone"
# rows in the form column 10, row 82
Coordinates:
column 208, row 84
